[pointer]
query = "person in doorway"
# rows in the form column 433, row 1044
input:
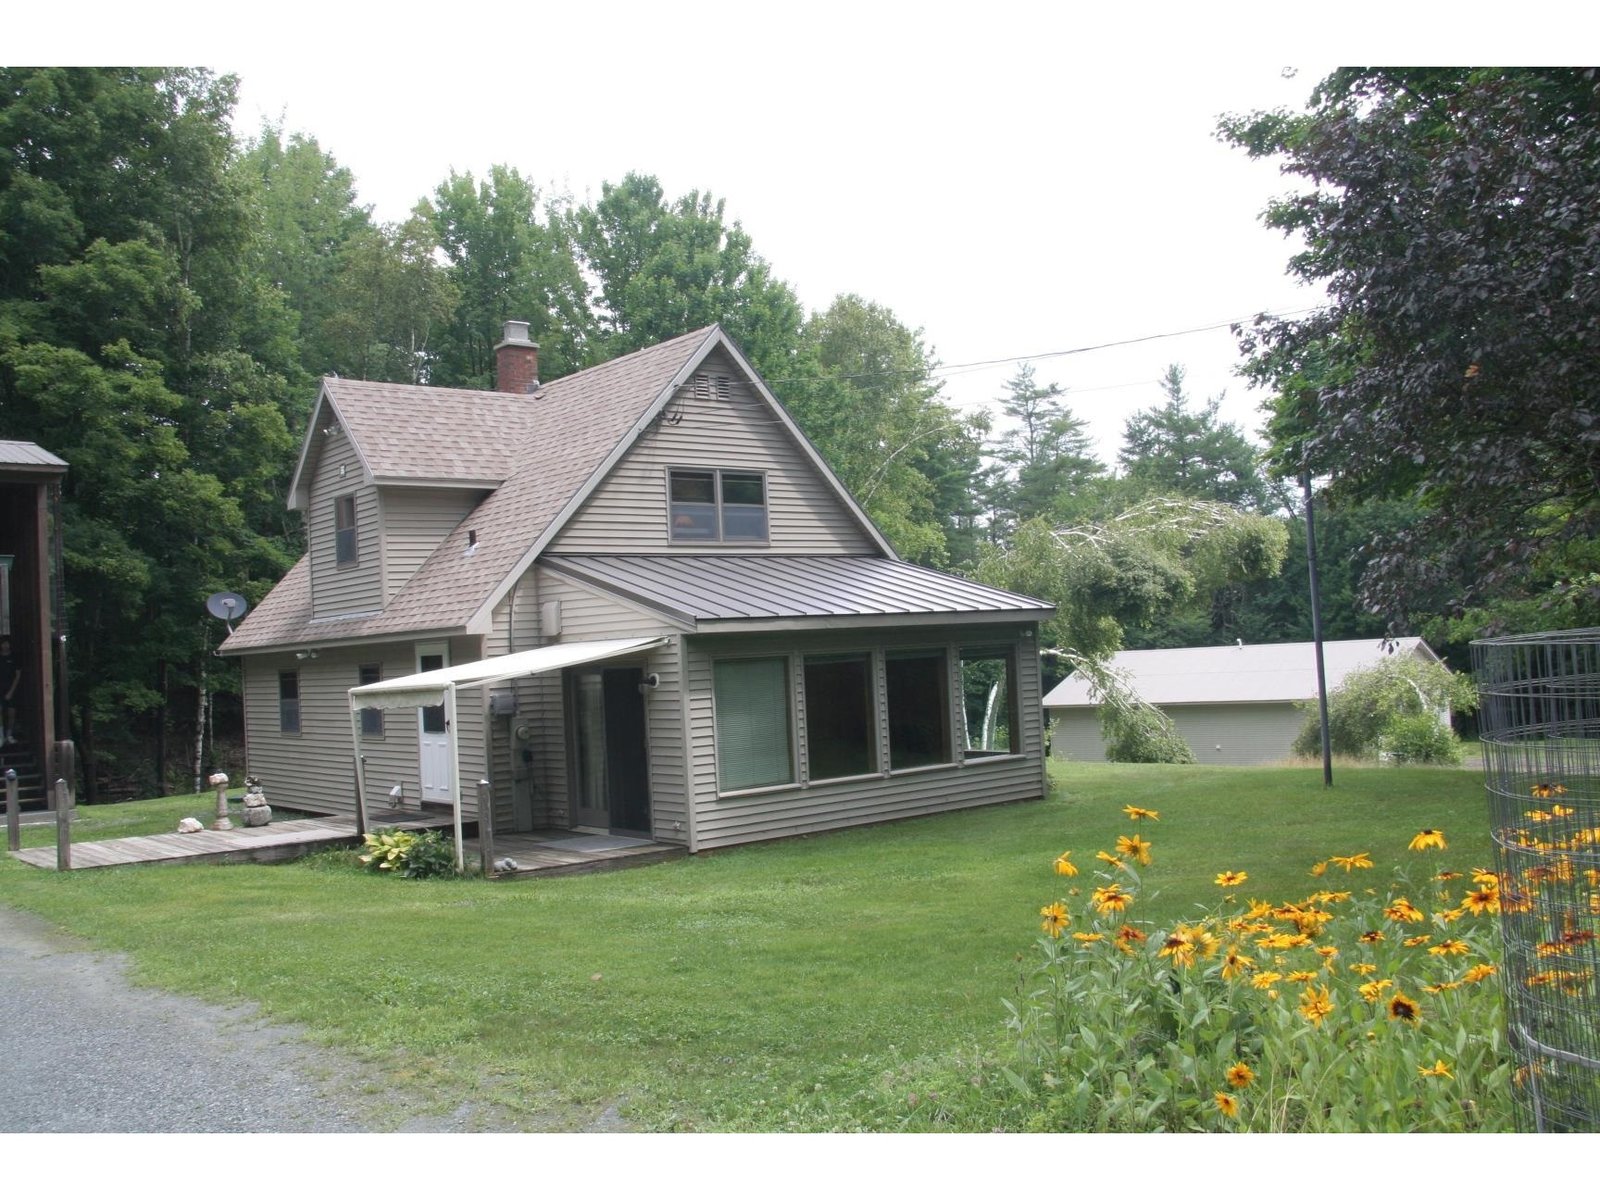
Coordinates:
column 10, row 690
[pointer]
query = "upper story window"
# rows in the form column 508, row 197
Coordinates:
column 345, row 550
column 717, row 506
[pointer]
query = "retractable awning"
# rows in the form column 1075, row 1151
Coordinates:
column 428, row 689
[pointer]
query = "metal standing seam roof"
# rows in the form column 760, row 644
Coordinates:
column 1237, row 674
column 582, row 417
column 30, row 456
column 710, row 588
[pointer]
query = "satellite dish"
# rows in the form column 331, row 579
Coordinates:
column 227, row 606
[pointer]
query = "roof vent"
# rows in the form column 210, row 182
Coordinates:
column 516, row 360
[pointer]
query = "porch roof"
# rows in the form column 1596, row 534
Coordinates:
column 706, row 591
column 427, row 688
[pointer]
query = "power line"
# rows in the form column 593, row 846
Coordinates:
column 979, row 364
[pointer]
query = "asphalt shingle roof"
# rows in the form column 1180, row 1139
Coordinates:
column 549, row 448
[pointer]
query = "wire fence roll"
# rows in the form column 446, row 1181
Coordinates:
column 1540, row 726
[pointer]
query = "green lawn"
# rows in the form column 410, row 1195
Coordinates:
column 773, row 986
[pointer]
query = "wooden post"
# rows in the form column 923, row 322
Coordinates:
column 13, row 812
column 485, row 828
column 63, row 826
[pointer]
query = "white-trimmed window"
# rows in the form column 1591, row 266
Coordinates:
column 754, row 748
column 709, row 505
column 371, row 718
column 346, row 548
column 288, row 701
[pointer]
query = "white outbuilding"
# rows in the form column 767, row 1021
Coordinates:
column 1235, row 705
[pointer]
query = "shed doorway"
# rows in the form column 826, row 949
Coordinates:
column 609, row 750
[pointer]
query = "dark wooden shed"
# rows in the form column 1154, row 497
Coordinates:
column 32, row 612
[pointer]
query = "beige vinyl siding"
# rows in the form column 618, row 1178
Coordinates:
column 724, row 423
column 358, row 587
column 586, row 615
column 1238, row 734
column 314, row 770
column 415, row 521
column 1231, row 735
column 786, row 811
column 1075, row 735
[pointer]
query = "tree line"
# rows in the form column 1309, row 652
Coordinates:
column 169, row 294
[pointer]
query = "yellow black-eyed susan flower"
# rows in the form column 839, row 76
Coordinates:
column 1352, row 862
column 1055, row 919
column 1403, row 1008
column 1240, row 1075
column 1110, row 898
column 1064, row 864
column 1135, row 813
column 1135, row 848
column 1478, row 972
column 1450, row 946
column 1403, row 910
column 1227, row 1105
column 1439, row 1070
column 1315, row 1004
column 1429, row 839
column 1231, row 878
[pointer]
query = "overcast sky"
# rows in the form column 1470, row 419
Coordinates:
column 1015, row 180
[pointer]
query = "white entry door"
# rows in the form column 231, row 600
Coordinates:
column 433, row 739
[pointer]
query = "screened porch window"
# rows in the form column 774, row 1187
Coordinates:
column 841, row 726
column 753, row 743
column 988, row 702
column 717, row 506
column 345, row 550
column 919, row 709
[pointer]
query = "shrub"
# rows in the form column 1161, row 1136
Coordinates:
column 1421, row 738
column 426, row 855
column 1363, row 708
column 1133, row 730
column 1344, row 1010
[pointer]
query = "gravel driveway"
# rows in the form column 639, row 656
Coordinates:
column 84, row 1051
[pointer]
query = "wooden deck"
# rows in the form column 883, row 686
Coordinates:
column 562, row 852
column 277, row 842
column 545, row 852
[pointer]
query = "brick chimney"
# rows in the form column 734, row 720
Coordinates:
column 516, row 360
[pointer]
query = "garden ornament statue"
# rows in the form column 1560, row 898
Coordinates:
column 256, row 809
column 220, row 782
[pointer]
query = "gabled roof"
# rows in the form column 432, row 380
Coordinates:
column 1238, row 674
column 718, row 592
column 554, row 451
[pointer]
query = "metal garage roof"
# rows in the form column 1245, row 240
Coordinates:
column 1237, row 674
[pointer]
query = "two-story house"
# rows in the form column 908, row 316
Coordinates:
column 634, row 599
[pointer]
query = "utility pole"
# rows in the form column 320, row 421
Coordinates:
column 1316, row 628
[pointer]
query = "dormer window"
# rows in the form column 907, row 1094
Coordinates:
column 717, row 506
column 346, row 553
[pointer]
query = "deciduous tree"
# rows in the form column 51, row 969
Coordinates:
column 1451, row 217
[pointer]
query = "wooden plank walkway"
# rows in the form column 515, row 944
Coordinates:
column 545, row 852
column 277, row 842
